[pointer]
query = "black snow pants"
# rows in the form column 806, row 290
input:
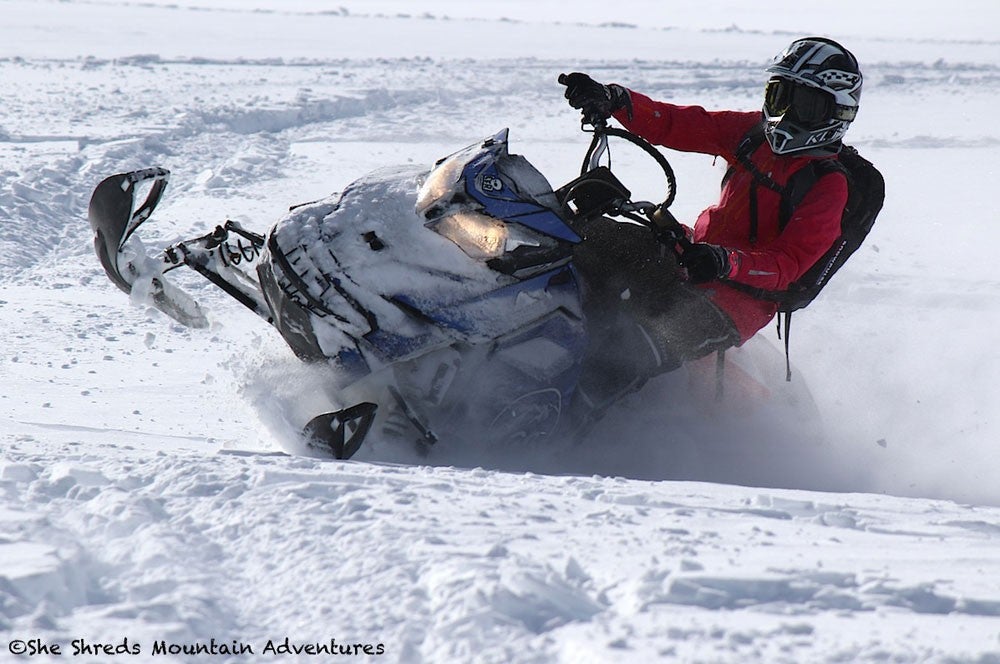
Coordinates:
column 642, row 317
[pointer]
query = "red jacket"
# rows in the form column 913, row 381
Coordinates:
column 776, row 259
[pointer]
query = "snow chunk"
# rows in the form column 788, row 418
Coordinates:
column 36, row 572
column 83, row 475
column 18, row 472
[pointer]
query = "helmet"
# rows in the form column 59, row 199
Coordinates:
column 811, row 97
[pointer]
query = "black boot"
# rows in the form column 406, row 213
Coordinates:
column 620, row 365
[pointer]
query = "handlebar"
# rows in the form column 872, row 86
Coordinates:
column 599, row 147
column 656, row 217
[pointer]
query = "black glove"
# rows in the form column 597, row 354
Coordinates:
column 595, row 100
column 705, row 262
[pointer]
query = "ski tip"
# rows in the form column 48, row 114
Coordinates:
column 113, row 215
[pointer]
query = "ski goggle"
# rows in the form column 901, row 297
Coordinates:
column 810, row 106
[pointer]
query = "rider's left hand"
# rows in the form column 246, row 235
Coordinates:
column 595, row 100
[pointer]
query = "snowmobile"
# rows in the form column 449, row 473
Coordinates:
column 442, row 301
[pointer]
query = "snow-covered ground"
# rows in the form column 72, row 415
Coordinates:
column 131, row 509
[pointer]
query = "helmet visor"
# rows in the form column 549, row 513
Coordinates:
column 809, row 106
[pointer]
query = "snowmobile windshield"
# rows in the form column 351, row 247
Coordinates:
column 443, row 181
column 496, row 207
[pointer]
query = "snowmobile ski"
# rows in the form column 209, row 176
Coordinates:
column 341, row 432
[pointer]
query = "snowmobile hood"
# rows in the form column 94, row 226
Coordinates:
column 365, row 262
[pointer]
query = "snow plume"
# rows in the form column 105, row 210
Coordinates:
column 931, row 435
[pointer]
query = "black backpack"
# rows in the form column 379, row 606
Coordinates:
column 866, row 193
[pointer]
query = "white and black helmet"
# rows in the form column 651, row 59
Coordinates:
column 811, row 97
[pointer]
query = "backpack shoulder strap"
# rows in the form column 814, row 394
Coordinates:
column 752, row 140
column 802, row 181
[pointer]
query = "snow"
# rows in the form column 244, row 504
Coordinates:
column 143, row 498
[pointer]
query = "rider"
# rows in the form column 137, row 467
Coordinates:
column 810, row 99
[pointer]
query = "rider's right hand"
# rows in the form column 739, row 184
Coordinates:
column 707, row 262
column 595, row 100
